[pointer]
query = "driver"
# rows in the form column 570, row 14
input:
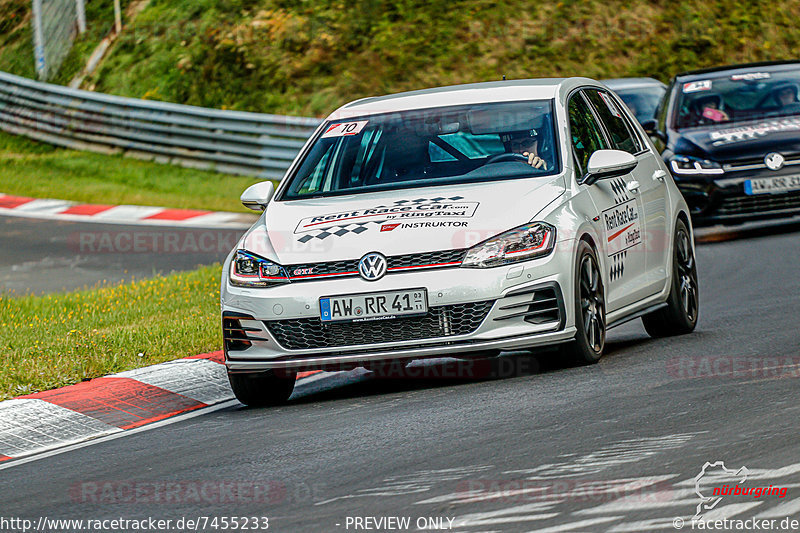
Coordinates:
column 525, row 143
column 710, row 107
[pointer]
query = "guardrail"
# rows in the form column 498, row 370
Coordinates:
column 233, row 142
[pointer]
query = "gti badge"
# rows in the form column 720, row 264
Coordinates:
column 372, row 266
column 774, row 161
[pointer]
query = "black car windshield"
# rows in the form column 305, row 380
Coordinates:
column 436, row 146
column 642, row 101
column 738, row 96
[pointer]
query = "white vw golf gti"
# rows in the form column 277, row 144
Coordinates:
column 457, row 222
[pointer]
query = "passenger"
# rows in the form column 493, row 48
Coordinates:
column 786, row 95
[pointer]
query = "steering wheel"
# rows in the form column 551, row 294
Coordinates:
column 506, row 156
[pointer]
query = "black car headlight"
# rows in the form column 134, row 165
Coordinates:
column 249, row 270
column 687, row 165
column 526, row 242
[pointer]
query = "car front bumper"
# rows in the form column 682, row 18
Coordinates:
column 470, row 310
column 724, row 201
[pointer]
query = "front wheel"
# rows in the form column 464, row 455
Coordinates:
column 262, row 389
column 590, row 310
column 683, row 302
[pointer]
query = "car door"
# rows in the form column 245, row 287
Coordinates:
column 651, row 190
column 619, row 209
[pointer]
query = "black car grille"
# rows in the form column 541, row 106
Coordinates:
column 765, row 203
column 312, row 271
column 443, row 321
column 754, row 163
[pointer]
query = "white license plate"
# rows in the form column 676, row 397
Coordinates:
column 775, row 185
column 373, row 306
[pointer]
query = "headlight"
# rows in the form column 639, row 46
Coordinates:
column 683, row 164
column 249, row 270
column 525, row 242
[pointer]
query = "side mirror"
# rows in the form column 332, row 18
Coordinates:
column 256, row 197
column 606, row 164
column 651, row 128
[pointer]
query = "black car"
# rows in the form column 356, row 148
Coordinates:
column 731, row 138
column 641, row 95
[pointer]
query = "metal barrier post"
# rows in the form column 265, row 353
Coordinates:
column 80, row 9
column 38, row 41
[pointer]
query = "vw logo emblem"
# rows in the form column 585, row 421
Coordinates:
column 774, row 161
column 372, row 266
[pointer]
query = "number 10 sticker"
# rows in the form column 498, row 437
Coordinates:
column 345, row 128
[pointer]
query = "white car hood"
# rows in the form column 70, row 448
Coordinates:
column 397, row 222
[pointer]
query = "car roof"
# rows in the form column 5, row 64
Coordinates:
column 472, row 93
column 632, row 83
column 770, row 66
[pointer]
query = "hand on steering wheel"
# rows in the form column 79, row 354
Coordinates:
column 535, row 161
column 530, row 158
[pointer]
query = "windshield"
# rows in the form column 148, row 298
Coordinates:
column 642, row 101
column 438, row 146
column 728, row 98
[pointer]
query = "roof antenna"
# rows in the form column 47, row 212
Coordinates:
column 504, row 77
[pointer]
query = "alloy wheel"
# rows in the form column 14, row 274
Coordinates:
column 592, row 304
column 687, row 276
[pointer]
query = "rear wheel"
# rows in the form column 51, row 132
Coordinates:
column 590, row 310
column 263, row 388
column 683, row 303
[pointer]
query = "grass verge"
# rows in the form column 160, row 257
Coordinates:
column 28, row 168
column 57, row 340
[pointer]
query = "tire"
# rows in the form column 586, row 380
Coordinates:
column 683, row 302
column 262, row 389
column 590, row 310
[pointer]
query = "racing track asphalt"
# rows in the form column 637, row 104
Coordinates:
column 355, row 445
column 44, row 256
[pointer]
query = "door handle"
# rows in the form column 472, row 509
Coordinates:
column 633, row 186
column 659, row 175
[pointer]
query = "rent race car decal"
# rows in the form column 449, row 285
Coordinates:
column 748, row 133
column 622, row 227
column 400, row 210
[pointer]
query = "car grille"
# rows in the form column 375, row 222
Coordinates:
column 765, row 203
column 426, row 260
column 443, row 321
column 758, row 163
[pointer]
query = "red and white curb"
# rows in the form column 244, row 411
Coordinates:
column 22, row 206
column 48, row 420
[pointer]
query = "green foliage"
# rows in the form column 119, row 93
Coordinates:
column 16, row 39
column 61, row 339
column 308, row 57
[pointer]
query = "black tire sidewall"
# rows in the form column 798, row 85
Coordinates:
column 676, row 310
column 582, row 352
